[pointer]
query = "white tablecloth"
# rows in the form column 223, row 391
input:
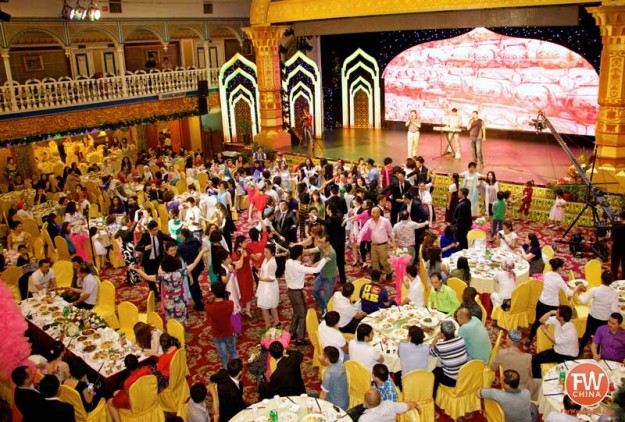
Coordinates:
column 291, row 409
column 551, row 395
column 483, row 270
column 390, row 327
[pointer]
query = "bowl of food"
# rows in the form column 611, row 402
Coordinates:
column 574, row 283
column 385, row 326
column 428, row 321
column 314, row 417
column 399, row 334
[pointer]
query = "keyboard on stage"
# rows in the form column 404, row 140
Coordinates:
column 446, row 129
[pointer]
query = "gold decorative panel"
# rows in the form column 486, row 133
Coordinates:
column 361, row 109
column 243, row 120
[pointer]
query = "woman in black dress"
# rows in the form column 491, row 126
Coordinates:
column 127, row 234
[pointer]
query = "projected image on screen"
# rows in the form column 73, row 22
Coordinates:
column 506, row 79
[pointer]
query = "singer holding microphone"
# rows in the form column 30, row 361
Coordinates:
column 454, row 124
column 307, row 127
column 477, row 134
column 413, row 124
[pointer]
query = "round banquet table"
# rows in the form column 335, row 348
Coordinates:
column 551, row 395
column 292, row 409
column 483, row 270
column 390, row 327
column 619, row 285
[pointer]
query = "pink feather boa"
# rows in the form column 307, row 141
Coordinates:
column 14, row 347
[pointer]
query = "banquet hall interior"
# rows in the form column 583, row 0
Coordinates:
column 152, row 150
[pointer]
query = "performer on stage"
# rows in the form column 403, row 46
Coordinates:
column 477, row 134
column 454, row 121
column 307, row 128
column 413, row 124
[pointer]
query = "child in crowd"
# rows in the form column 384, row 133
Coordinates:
column 526, row 200
column 383, row 382
column 499, row 214
column 198, row 411
column 556, row 215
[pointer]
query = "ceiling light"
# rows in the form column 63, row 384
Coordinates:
column 79, row 12
column 93, row 12
column 67, row 12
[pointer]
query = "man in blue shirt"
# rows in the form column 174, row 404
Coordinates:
column 373, row 296
column 475, row 335
column 334, row 384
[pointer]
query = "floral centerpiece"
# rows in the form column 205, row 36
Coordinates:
column 572, row 185
column 399, row 252
column 481, row 223
column 78, row 320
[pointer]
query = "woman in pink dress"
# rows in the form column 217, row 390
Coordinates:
column 244, row 274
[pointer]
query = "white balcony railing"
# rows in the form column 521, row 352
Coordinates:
column 51, row 93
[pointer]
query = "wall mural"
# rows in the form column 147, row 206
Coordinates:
column 506, row 79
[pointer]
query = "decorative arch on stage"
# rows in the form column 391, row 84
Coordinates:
column 302, row 83
column 360, row 85
column 239, row 97
column 506, row 79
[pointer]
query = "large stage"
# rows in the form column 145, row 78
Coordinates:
column 533, row 157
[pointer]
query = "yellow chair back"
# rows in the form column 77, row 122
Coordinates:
column 150, row 305
column 542, row 341
column 202, row 179
column 548, row 252
column 475, row 234
column 592, row 273
column 128, row 317
column 360, row 382
column 571, row 275
column 144, row 406
column 155, row 320
column 69, row 395
column 63, row 271
column 496, row 347
column 31, row 227
column 536, row 289
column 177, row 391
column 484, row 313
column 105, row 306
column 312, row 325
column 39, row 249
column 470, row 378
column 61, row 248
column 493, row 412
column 176, row 329
column 418, row 388
column 183, row 410
column 357, row 286
column 457, row 286
column 413, row 416
column 94, row 211
column 164, row 218
column 11, row 277
column 330, row 304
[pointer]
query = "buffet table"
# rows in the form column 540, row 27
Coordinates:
column 84, row 334
column 293, row 409
column 551, row 392
column 390, row 327
column 483, row 268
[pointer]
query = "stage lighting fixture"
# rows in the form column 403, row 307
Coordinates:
column 79, row 12
column 93, row 12
column 67, row 12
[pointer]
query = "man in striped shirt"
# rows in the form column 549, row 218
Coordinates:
column 452, row 352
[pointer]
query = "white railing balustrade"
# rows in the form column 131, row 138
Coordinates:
column 50, row 93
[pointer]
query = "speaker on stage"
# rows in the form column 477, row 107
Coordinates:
column 202, row 105
column 202, row 88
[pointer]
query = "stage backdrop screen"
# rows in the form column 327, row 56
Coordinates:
column 506, row 79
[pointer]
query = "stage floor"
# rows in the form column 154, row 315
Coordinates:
column 512, row 160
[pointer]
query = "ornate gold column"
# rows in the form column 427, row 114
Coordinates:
column 610, row 132
column 266, row 41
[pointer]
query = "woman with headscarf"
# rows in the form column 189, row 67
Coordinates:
column 506, row 279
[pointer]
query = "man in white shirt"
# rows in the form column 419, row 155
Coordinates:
column 349, row 313
column 295, row 275
column 88, row 289
column 383, row 411
column 568, row 415
column 566, row 345
column 454, row 122
column 43, row 278
column 193, row 219
column 361, row 351
column 329, row 335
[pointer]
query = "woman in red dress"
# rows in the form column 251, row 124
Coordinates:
column 244, row 274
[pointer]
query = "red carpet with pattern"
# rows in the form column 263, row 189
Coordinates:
column 203, row 359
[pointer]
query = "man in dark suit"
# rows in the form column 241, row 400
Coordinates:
column 230, row 389
column 188, row 250
column 286, row 380
column 412, row 204
column 336, row 230
column 54, row 409
column 28, row 400
column 337, row 200
column 286, row 222
column 396, row 197
column 462, row 219
column 151, row 246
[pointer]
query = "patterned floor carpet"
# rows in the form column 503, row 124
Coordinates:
column 203, row 359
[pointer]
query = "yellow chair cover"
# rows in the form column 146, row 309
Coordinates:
column 105, row 306
column 6, row 391
column 330, row 304
column 176, row 329
column 360, row 382
column 542, row 341
column 484, row 313
column 462, row 399
column 489, row 375
column 39, row 249
column 11, row 277
column 63, row 271
column 517, row 315
column 51, row 250
column 357, row 286
column 144, row 406
column 71, row 396
column 548, row 252
column 475, row 234
column 155, row 320
column 31, row 227
column 164, row 217
column 419, row 388
column 94, row 211
column 202, row 179
column 61, row 247
column 457, row 286
column 128, row 317
column 592, row 273
column 150, row 306
column 536, row 289
column 413, row 416
column 312, row 325
column 581, row 320
column 183, row 410
column 493, row 412
column 177, row 391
